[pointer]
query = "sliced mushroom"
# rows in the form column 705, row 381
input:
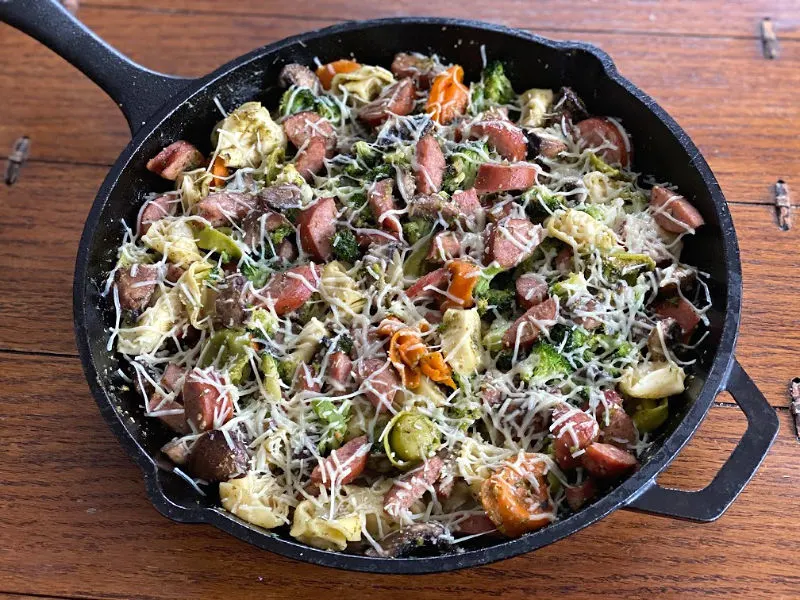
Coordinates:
column 666, row 329
column 213, row 459
column 405, row 541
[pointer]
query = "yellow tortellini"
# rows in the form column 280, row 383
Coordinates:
column 152, row 326
column 365, row 83
column 368, row 502
column 256, row 499
column 308, row 340
column 475, row 460
column 580, row 230
column 193, row 294
column 193, row 186
column 461, row 340
column 653, row 380
column 340, row 290
column 320, row 532
column 430, row 391
column 174, row 238
column 247, row 136
column 535, row 105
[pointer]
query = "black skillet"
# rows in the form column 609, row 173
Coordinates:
column 161, row 109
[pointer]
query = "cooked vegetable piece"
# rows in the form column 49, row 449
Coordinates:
column 448, row 97
column 409, row 438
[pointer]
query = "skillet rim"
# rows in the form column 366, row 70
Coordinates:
column 619, row 497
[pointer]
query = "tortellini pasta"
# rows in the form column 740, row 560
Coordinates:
column 321, row 532
column 193, row 294
column 193, row 186
column 152, row 326
column 461, row 340
column 580, row 230
column 174, row 238
column 339, row 290
column 308, row 340
column 247, row 136
column 365, row 83
column 653, row 380
column 256, row 499
column 535, row 105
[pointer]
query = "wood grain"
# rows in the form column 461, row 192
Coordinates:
column 738, row 107
column 73, row 502
column 40, row 230
column 677, row 17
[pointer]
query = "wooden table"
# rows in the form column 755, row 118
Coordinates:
column 74, row 519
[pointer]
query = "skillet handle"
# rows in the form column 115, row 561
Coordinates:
column 138, row 91
column 712, row 501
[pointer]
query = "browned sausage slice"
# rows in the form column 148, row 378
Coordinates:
column 170, row 412
column 317, row 226
column 493, row 177
column 444, row 246
column 268, row 219
column 574, row 431
column 673, row 212
column 578, row 495
column 531, row 290
column 291, row 289
column 397, row 99
column 379, row 381
column 529, row 326
column 600, row 131
column 437, row 279
column 682, row 311
column 301, row 127
column 475, row 524
column 420, row 69
column 340, row 368
column 229, row 305
column 171, row 377
column 224, row 208
column 506, row 138
column 206, row 403
column 467, row 202
column 176, row 158
column 608, row 462
column 430, row 165
column 345, row 464
column 281, row 197
column 299, row 75
column 616, row 426
column 382, row 203
column 213, row 459
column 412, row 486
column 135, row 286
column 512, row 241
column 366, row 239
column 311, row 159
column 155, row 210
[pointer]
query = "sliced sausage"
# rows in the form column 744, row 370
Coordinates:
column 176, row 158
column 299, row 75
column 345, row 464
column 177, row 451
column 207, row 404
column 563, row 260
column 229, row 305
column 616, row 426
column 291, row 289
column 174, row 272
column 286, row 251
column 467, row 202
column 531, row 290
column 573, row 431
column 512, row 241
column 366, row 239
column 307, row 379
column 379, row 382
column 673, row 212
column 493, row 177
column 412, row 486
column 506, row 138
column 431, row 206
column 437, row 279
column 529, row 326
column 578, row 495
column 600, row 131
column 417, row 68
column 136, row 285
column 213, row 458
column 444, row 246
column 281, row 197
column 301, row 127
column 173, row 414
column 544, row 145
column 430, row 164
column 397, row 99
column 311, row 159
column 155, row 210
column 382, row 203
column 317, row 226
column 224, row 208
column 682, row 311
column 587, row 321
column 172, row 377
column 339, row 369
column 252, row 225
column 475, row 524
column 490, row 395
column 608, row 462
column 667, row 330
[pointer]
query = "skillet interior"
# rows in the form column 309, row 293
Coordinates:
column 660, row 148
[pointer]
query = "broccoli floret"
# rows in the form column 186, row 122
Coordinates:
column 286, row 370
column 598, row 164
column 493, row 340
column 334, row 421
column 257, row 272
column 365, row 153
column 345, row 344
column 569, row 339
column 462, row 166
column 500, row 300
column 276, row 236
column 261, row 322
column 504, row 360
column 328, row 108
column 543, row 364
column 626, row 266
column 295, row 100
column 314, row 308
column 365, row 219
column 540, row 203
column 416, row 229
column 494, row 88
column 345, row 246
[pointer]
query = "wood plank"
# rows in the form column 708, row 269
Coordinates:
column 679, row 17
column 74, row 511
column 40, row 233
column 738, row 107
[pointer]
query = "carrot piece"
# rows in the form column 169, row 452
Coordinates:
column 464, row 277
column 448, row 97
column 327, row 72
column 433, row 366
column 517, row 498
column 219, row 171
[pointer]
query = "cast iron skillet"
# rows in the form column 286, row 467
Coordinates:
column 161, row 109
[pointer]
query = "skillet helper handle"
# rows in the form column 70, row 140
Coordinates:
column 138, row 91
column 712, row 501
